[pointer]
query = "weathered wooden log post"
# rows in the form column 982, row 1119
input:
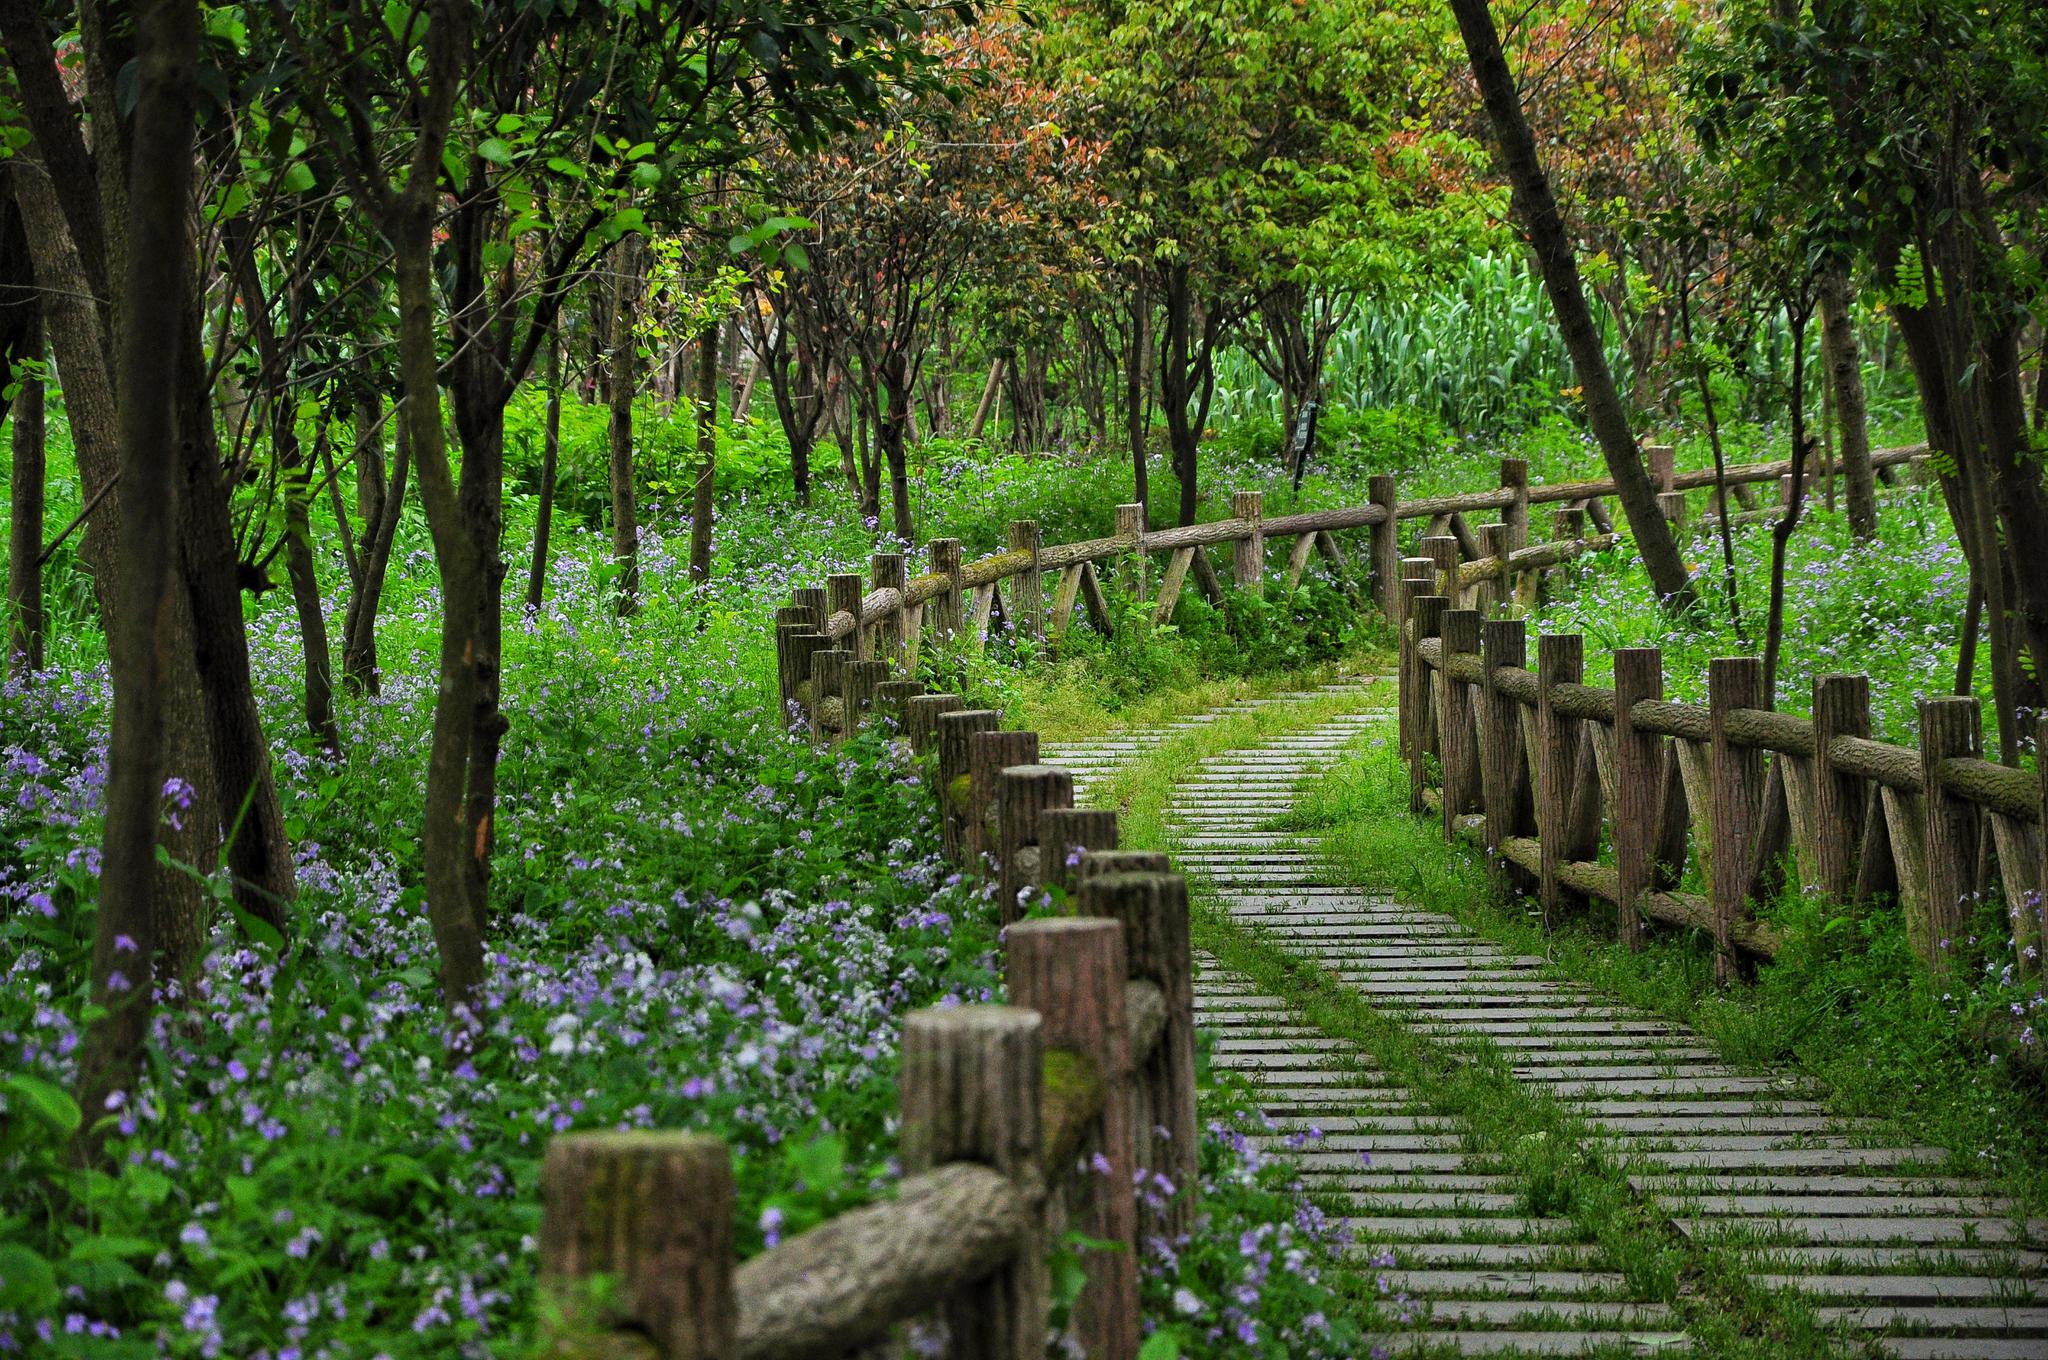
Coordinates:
column 1425, row 620
column 1071, row 971
column 1130, row 528
column 1560, row 660
column 1638, row 786
column 1024, row 794
column 972, row 1087
column 1662, row 461
column 988, row 755
column 957, row 731
column 1383, row 552
column 1065, row 835
column 1417, row 580
column 2030, row 926
column 921, row 716
column 1567, row 524
column 843, row 596
column 1672, row 504
column 649, row 1213
column 948, row 609
column 1841, row 708
column 1442, row 552
column 863, row 682
column 1503, row 775
column 1455, row 721
column 1949, row 727
column 892, row 702
column 1497, row 588
column 1514, row 516
column 1596, row 514
column 1248, row 554
column 790, row 621
column 892, row 638
column 812, row 598
column 1027, row 598
column 1738, row 782
column 828, row 695
column 1101, row 863
column 796, row 651
column 1153, row 909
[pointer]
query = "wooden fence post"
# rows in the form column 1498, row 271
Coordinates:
column 1425, row 620
column 1024, row 794
column 988, row 755
column 1064, row 836
column 1738, row 780
column 1498, row 588
column 651, row 1211
column 948, row 609
column 795, row 651
column 1456, row 726
column 1153, row 908
column 921, row 716
column 828, row 695
column 842, row 596
column 1663, row 465
column 892, row 636
column 1417, row 579
column 957, row 731
column 1130, row 527
column 1248, row 554
column 1102, row 863
column 892, row 701
column 1638, row 785
column 1841, row 708
column 1567, row 524
column 1560, row 660
column 1948, row 727
column 1442, row 551
column 863, row 681
column 1071, row 971
column 1672, row 503
column 972, row 1084
column 1027, row 596
column 1514, row 478
column 1503, row 774
column 812, row 598
column 1384, row 548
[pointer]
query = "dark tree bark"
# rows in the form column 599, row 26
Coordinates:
column 1187, row 375
column 550, row 461
column 25, row 528
column 1536, row 207
column 1788, row 522
column 380, row 532
column 1852, row 415
column 295, row 471
column 625, row 508
column 704, row 488
column 125, row 944
column 893, row 435
column 1136, row 388
column 987, row 403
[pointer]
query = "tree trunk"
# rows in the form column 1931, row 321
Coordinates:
column 1134, row 389
column 704, row 490
column 550, row 460
column 894, row 430
column 988, row 398
column 1845, row 385
column 295, row 471
column 1788, row 522
column 359, row 645
column 25, row 527
column 1536, row 207
column 369, row 456
column 139, row 640
column 625, row 514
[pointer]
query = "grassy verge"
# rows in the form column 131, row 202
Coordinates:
column 1846, row 1002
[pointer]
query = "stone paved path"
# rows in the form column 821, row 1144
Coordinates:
column 1915, row 1265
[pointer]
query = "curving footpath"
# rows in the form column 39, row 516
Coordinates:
column 1904, row 1262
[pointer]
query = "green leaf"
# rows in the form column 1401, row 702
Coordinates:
column 27, row 1283
column 563, row 166
column 106, row 1248
column 1163, row 1344
column 48, row 1101
column 647, row 174
column 299, row 179
column 496, row 150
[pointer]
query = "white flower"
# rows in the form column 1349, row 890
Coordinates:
column 1185, row 1302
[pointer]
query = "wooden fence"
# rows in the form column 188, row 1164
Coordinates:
column 1543, row 770
column 1022, row 1121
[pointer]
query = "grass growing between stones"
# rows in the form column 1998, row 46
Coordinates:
column 1846, row 1002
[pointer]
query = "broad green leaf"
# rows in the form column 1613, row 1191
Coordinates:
column 48, row 1101
column 496, row 150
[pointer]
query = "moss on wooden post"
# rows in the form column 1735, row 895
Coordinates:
column 921, row 713
column 957, row 731
column 636, row 1234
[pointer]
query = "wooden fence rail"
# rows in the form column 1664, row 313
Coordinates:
column 1542, row 770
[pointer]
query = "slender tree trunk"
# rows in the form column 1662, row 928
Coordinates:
column 1134, row 389
column 125, row 943
column 296, row 473
column 894, row 431
column 988, row 398
column 1536, row 207
column 704, row 490
column 1705, row 379
column 1852, row 418
column 625, row 513
column 550, row 459
column 1788, row 523
column 359, row 645
column 1966, row 639
column 369, row 406
column 25, row 528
